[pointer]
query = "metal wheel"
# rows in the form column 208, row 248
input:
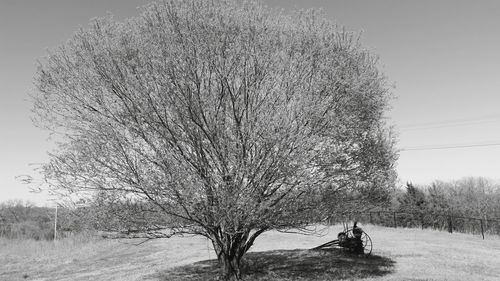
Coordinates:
column 365, row 238
column 367, row 243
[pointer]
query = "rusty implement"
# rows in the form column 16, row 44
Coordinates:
column 353, row 239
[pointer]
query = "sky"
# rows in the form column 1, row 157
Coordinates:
column 442, row 57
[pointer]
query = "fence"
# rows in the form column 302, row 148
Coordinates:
column 438, row 221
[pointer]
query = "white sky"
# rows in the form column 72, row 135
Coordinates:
column 443, row 57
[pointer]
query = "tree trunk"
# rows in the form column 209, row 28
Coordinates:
column 229, row 256
column 230, row 249
column 231, row 267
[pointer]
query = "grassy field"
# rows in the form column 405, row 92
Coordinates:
column 399, row 254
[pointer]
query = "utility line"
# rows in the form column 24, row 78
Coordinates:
column 452, row 123
column 437, row 147
column 446, row 125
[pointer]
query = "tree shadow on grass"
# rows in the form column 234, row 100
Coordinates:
column 330, row 264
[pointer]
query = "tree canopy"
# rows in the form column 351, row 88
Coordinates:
column 219, row 118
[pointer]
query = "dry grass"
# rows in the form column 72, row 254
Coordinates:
column 90, row 258
column 434, row 255
column 399, row 254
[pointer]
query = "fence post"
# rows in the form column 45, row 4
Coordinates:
column 395, row 223
column 55, row 225
column 422, row 220
column 450, row 224
column 482, row 228
column 371, row 220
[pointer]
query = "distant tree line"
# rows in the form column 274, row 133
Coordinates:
column 472, row 197
column 429, row 206
column 461, row 205
column 24, row 220
column 469, row 205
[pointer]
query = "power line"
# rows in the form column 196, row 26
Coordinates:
column 447, row 125
column 489, row 116
column 452, row 123
column 437, row 147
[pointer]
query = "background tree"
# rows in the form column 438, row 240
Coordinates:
column 414, row 200
column 218, row 118
column 438, row 204
column 413, row 203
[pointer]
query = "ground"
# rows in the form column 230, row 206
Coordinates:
column 399, row 254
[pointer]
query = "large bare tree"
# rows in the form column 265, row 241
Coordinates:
column 219, row 118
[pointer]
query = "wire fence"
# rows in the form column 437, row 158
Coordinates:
column 438, row 221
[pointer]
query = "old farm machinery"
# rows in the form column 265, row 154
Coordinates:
column 353, row 239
